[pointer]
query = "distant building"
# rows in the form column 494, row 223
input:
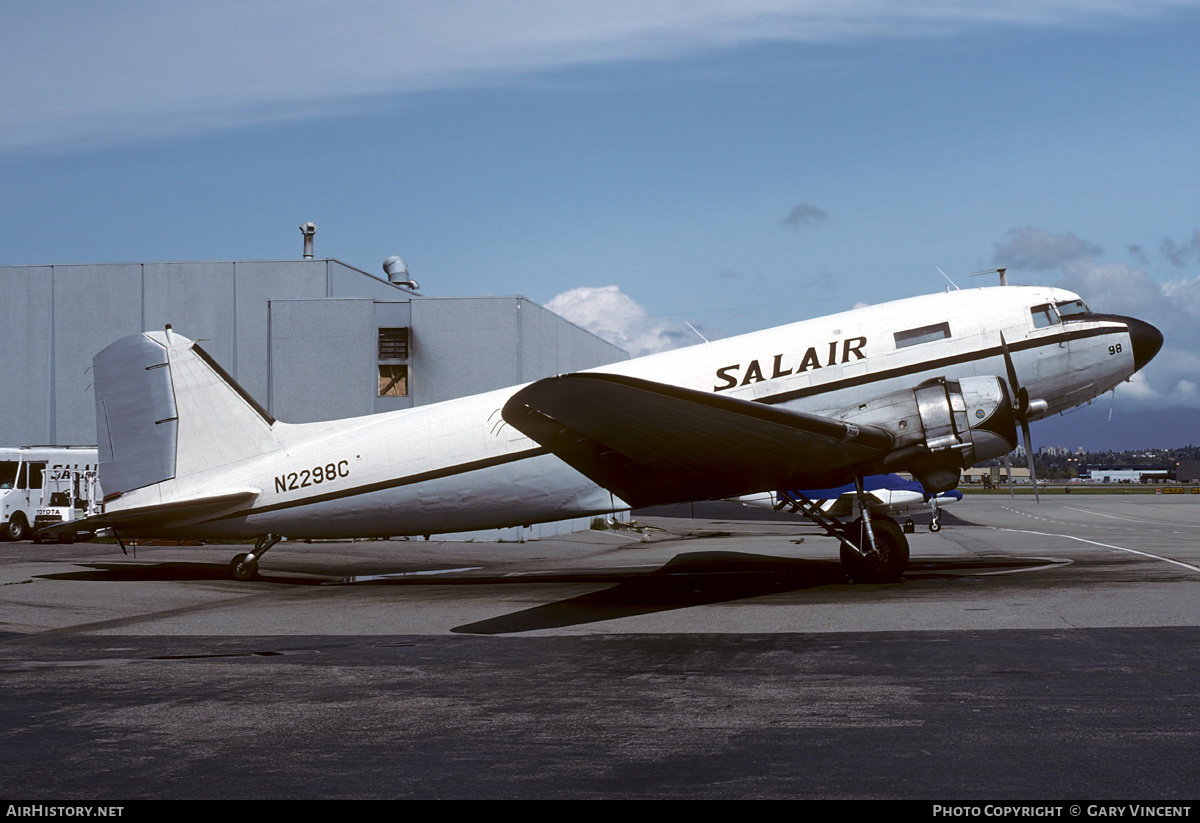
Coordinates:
column 1188, row 471
column 1125, row 474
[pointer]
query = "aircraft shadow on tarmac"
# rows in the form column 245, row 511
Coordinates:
column 168, row 572
column 705, row 578
column 689, row 579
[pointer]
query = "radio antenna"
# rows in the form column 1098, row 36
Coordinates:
column 948, row 280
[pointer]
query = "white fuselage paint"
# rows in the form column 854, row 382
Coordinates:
column 457, row 465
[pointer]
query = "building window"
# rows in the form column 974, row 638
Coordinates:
column 393, row 344
column 925, row 334
column 393, row 381
column 393, row 376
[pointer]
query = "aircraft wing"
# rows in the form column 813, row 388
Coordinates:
column 650, row 443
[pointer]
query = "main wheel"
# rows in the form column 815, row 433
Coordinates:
column 17, row 529
column 243, row 569
column 893, row 552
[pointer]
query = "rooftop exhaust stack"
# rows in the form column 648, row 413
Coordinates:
column 308, row 230
column 397, row 272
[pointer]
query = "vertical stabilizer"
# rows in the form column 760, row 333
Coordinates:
column 166, row 411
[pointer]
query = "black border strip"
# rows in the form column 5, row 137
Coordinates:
column 436, row 474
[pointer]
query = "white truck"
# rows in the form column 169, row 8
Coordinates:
column 42, row 485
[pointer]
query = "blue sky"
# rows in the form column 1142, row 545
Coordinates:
column 736, row 166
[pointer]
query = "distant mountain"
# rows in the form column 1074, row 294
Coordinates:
column 1130, row 429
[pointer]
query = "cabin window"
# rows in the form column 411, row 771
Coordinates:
column 1072, row 308
column 393, row 380
column 1044, row 315
column 8, row 473
column 925, row 334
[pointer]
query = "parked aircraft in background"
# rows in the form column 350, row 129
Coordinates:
column 927, row 385
column 887, row 495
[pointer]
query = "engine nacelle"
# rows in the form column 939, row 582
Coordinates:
column 942, row 426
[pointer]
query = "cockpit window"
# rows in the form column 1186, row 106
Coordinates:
column 1044, row 315
column 1068, row 308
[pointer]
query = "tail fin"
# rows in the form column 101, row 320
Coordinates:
column 165, row 410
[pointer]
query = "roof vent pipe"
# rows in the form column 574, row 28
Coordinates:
column 308, row 230
column 397, row 272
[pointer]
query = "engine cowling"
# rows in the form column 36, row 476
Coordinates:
column 942, row 427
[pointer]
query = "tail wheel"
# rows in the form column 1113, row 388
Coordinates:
column 243, row 569
column 891, row 544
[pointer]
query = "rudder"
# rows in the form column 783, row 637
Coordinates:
column 165, row 410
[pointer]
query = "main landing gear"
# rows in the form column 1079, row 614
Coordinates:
column 874, row 549
column 245, row 565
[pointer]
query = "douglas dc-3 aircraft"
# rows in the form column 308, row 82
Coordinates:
column 927, row 385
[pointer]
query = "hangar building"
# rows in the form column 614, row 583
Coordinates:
column 312, row 339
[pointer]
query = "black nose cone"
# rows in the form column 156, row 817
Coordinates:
column 1146, row 340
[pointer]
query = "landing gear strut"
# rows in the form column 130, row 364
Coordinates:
column 874, row 549
column 245, row 565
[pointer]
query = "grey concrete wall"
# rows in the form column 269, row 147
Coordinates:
column 258, row 282
column 91, row 305
column 463, row 346
column 347, row 281
column 552, row 345
column 467, row 345
column 25, row 364
column 197, row 299
column 322, row 359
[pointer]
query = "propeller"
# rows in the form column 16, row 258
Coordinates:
column 1021, row 408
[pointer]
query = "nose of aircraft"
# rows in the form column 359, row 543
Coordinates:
column 1146, row 340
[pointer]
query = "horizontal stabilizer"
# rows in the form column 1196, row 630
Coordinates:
column 651, row 443
column 159, row 515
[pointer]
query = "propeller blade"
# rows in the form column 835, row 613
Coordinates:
column 1008, row 472
column 1029, row 455
column 1021, row 410
column 1013, row 383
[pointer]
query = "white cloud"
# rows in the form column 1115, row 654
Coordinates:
column 1030, row 248
column 1171, row 378
column 85, row 73
column 621, row 320
column 1138, row 389
column 1187, row 389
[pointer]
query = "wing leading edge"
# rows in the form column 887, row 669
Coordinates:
column 651, row 443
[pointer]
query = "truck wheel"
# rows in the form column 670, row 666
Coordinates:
column 18, row 529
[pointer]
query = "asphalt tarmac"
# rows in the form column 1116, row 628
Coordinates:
column 1031, row 652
